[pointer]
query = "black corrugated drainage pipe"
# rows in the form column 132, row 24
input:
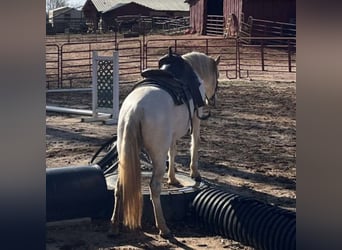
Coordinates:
column 77, row 192
column 246, row 220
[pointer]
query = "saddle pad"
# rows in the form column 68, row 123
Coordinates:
column 177, row 90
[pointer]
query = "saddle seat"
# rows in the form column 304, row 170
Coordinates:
column 164, row 80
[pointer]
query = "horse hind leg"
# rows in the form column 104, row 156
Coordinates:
column 172, row 180
column 117, row 212
column 155, row 190
column 194, row 173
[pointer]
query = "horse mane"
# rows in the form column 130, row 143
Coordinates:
column 201, row 63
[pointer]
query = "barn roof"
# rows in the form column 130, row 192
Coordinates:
column 61, row 10
column 159, row 5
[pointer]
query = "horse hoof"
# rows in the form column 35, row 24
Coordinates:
column 167, row 235
column 174, row 183
column 197, row 178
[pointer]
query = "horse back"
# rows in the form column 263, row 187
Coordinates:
column 156, row 112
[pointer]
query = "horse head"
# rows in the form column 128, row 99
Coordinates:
column 206, row 68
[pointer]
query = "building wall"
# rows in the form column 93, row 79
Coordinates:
column 61, row 16
column 197, row 16
column 131, row 9
column 169, row 13
column 66, row 18
column 232, row 7
column 275, row 10
column 136, row 9
column 91, row 15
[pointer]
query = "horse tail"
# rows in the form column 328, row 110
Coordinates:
column 129, row 175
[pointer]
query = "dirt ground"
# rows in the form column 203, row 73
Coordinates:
column 248, row 146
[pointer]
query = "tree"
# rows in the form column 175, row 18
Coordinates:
column 53, row 4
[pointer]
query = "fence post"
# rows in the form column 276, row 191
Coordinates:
column 90, row 56
column 144, row 49
column 94, row 80
column 59, row 59
column 237, row 57
column 61, row 78
column 289, row 55
column 116, row 40
column 262, row 56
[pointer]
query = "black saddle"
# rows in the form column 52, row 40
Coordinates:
column 177, row 77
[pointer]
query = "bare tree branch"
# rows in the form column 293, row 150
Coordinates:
column 53, row 4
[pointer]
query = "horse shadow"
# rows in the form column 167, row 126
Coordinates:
column 280, row 182
column 148, row 238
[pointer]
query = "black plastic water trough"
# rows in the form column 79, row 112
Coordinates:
column 77, row 192
column 176, row 201
column 246, row 220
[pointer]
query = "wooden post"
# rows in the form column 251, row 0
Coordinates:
column 262, row 56
column 289, row 55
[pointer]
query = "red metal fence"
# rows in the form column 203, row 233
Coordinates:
column 76, row 61
column 264, row 58
column 215, row 25
column 130, row 59
column 69, row 64
column 210, row 46
column 253, row 27
column 52, row 64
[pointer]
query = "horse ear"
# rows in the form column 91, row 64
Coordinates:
column 217, row 59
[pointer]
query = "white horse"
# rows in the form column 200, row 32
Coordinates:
column 149, row 118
